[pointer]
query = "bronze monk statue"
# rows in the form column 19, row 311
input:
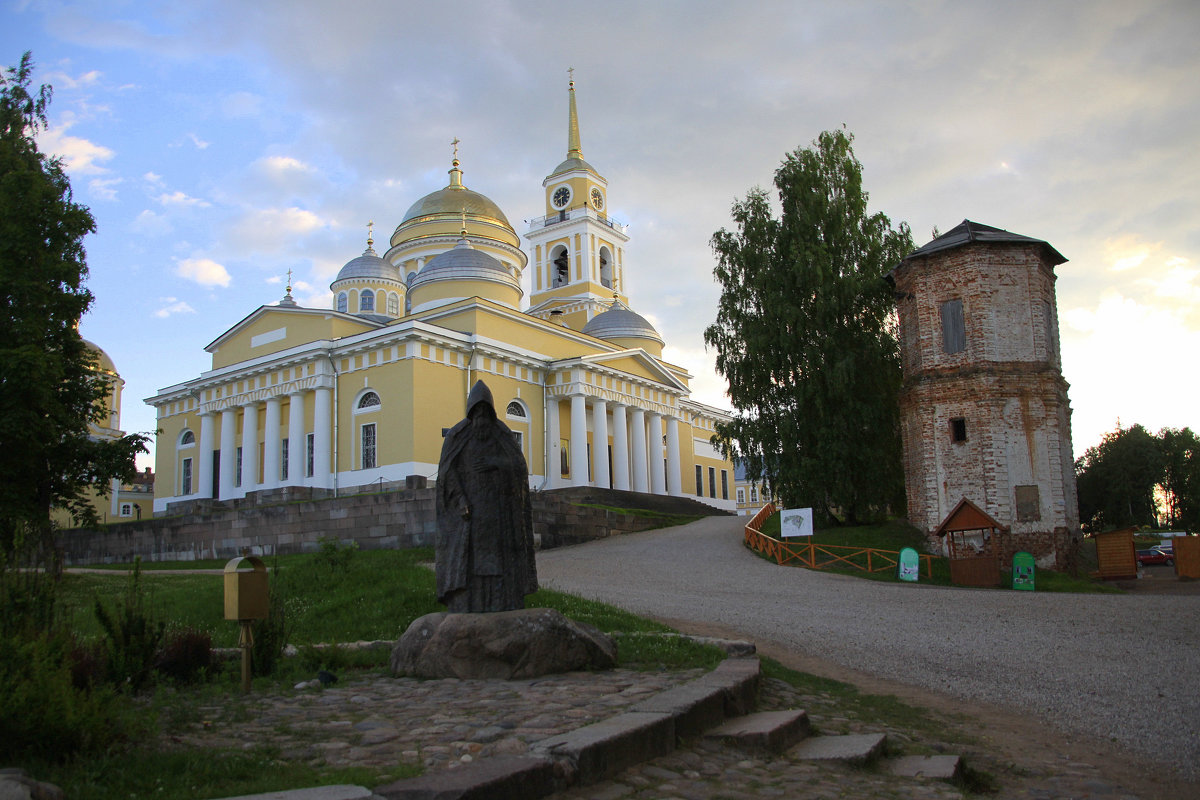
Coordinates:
column 485, row 559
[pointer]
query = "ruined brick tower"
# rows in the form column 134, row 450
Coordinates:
column 984, row 409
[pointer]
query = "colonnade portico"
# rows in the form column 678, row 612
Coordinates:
column 640, row 462
column 267, row 405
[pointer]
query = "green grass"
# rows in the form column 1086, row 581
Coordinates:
column 202, row 563
column 897, row 534
column 186, row 774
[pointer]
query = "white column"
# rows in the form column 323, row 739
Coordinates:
column 674, row 481
column 323, row 437
column 579, row 460
column 553, row 446
column 297, row 441
column 654, row 445
column 204, row 485
column 228, row 453
column 249, row 448
column 620, row 447
column 638, row 423
column 271, row 445
column 600, row 442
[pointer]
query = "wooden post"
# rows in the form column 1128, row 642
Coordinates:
column 246, row 642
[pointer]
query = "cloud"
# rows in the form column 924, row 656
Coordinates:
column 153, row 178
column 174, row 306
column 148, row 223
column 80, row 156
column 282, row 166
column 1128, row 252
column 203, row 271
column 104, row 188
column 61, row 80
column 180, row 199
column 197, row 141
column 267, row 228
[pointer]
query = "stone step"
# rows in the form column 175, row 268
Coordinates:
column 855, row 748
column 772, row 731
column 939, row 767
column 500, row 778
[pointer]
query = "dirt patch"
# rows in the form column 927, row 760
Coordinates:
column 1017, row 739
column 1160, row 579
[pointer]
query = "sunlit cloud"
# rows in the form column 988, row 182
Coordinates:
column 179, row 199
column 174, row 306
column 104, row 188
column 270, row 227
column 282, row 166
column 80, row 156
column 203, row 271
column 1128, row 252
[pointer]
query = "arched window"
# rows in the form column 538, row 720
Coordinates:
column 606, row 272
column 368, row 401
column 187, row 438
column 367, row 301
column 515, row 409
column 343, row 302
column 393, row 306
column 561, row 271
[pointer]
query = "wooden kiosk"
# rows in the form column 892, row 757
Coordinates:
column 1116, row 558
column 972, row 545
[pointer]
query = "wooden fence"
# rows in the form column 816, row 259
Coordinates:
column 822, row 556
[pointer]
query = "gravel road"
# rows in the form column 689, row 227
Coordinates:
column 1122, row 667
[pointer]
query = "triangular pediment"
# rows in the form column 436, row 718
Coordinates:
column 638, row 358
column 271, row 329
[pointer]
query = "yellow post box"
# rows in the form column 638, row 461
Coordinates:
column 246, row 589
column 246, row 599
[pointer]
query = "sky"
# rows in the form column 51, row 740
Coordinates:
column 221, row 144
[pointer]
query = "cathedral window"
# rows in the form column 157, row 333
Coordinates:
column 368, row 446
column 712, row 482
column 393, row 306
column 515, row 409
column 724, row 484
column 283, row 460
column 343, row 302
column 185, row 482
column 188, row 438
column 954, row 332
column 699, row 481
column 753, row 494
column 368, row 402
column 741, row 496
column 366, row 302
column 310, row 448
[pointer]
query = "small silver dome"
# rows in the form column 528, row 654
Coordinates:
column 462, row 261
column 620, row 323
column 368, row 266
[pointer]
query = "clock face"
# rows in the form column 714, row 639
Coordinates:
column 561, row 196
column 597, row 199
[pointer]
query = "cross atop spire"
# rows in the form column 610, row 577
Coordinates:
column 455, row 143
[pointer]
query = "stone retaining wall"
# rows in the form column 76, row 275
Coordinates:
column 294, row 521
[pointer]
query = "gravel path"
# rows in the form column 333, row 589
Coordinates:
column 1122, row 667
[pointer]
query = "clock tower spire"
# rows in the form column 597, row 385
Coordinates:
column 578, row 250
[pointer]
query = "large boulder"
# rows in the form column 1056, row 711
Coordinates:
column 509, row 644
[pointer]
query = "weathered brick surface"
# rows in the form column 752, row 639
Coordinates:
column 1006, row 384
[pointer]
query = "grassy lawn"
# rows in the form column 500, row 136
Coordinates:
column 896, row 534
column 369, row 595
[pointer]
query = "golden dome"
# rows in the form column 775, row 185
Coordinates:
column 104, row 363
column 455, row 204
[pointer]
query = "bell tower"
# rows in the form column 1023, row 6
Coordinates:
column 578, row 251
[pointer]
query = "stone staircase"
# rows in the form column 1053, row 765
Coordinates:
column 719, row 705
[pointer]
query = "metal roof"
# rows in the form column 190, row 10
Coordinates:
column 968, row 232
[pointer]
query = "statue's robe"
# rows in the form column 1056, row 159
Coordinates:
column 485, row 554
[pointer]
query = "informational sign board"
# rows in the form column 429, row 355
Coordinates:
column 1022, row 571
column 909, row 565
column 795, row 522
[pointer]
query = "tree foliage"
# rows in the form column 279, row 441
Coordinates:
column 806, row 337
column 1121, row 479
column 50, row 390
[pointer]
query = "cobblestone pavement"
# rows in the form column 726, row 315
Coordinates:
column 378, row 721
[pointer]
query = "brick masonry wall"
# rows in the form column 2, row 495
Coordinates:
column 293, row 521
column 1007, row 386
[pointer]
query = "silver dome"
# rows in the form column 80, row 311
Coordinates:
column 620, row 323
column 368, row 266
column 462, row 261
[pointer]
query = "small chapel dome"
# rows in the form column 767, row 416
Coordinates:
column 104, row 363
column 368, row 266
column 462, row 272
column 624, row 327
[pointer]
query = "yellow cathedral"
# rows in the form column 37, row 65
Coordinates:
column 359, row 394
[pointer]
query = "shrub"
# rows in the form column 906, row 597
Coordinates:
column 131, row 637
column 271, row 634
column 186, row 655
column 44, row 714
column 336, row 555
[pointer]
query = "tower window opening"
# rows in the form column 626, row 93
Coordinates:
column 958, row 429
column 561, row 269
column 367, row 302
column 343, row 302
column 954, row 333
column 606, row 277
